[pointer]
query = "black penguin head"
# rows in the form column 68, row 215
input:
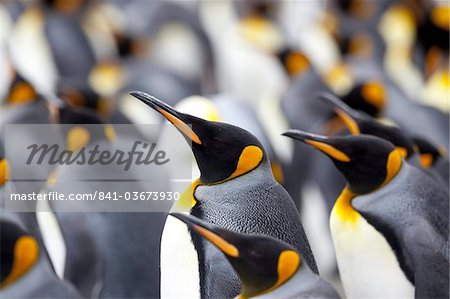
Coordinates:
column 222, row 151
column 19, row 253
column 80, row 94
column 66, row 7
column 429, row 153
column 361, row 123
column 369, row 96
column 294, row 62
column 20, row 91
column 82, row 126
column 262, row 262
column 359, row 9
column 259, row 8
column 367, row 162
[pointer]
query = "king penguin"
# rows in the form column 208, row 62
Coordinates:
column 361, row 123
column 236, row 190
column 390, row 223
column 25, row 271
column 267, row 267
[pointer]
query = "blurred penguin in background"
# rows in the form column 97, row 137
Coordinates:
column 26, row 272
column 376, row 219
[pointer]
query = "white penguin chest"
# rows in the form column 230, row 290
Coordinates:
column 367, row 264
column 179, row 262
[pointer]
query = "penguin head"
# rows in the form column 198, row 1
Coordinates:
column 359, row 9
column 262, row 8
column 82, row 126
column 19, row 253
column 429, row 153
column 294, row 62
column 66, row 7
column 368, row 96
column 367, row 162
column 222, row 151
column 82, row 95
column 262, row 262
column 20, row 91
column 361, row 123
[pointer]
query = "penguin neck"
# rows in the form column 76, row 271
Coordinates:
column 343, row 206
column 212, row 194
column 414, row 159
column 301, row 281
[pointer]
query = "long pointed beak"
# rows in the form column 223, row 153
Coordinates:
column 176, row 118
column 349, row 116
column 209, row 232
column 321, row 143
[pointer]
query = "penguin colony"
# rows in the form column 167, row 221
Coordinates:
column 320, row 130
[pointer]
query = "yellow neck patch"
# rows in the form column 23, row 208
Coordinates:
column 329, row 150
column 260, row 32
column 5, row 172
column 26, row 253
column 373, row 93
column 77, row 138
column 440, row 15
column 349, row 122
column 277, row 172
column 343, row 208
column 339, row 79
column 184, row 128
column 224, row 246
column 187, row 199
column 393, row 165
column 21, row 93
column 249, row 159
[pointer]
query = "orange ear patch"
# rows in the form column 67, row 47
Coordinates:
column 5, row 172
column 393, row 165
column 296, row 63
column 249, row 159
column 26, row 253
column 374, row 93
column 21, row 93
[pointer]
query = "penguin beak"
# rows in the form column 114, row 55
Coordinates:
column 321, row 143
column 348, row 116
column 179, row 120
column 209, row 232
